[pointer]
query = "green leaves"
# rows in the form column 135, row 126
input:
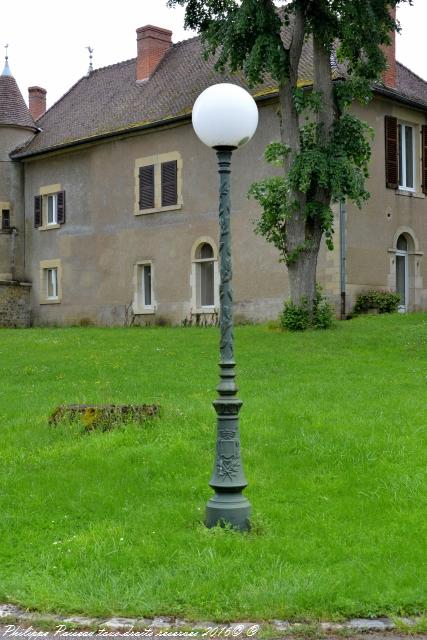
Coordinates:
column 307, row 100
column 339, row 168
column 325, row 151
column 245, row 35
column 272, row 195
column 275, row 153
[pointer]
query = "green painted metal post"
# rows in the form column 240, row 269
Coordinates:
column 228, row 505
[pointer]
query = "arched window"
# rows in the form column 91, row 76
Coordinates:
column 405, row 276
column 205, row 276
column 402, row 243
column 402, row 270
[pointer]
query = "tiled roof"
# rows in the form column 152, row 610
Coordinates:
column 411, row 85
column 109, row 100
column 13, row 110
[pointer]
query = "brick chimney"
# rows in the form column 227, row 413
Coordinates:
column 152, row 43
column 36, row 101
column 389, row 75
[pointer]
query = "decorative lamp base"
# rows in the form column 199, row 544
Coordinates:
column 228, row 509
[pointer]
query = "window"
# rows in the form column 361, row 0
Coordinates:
column 168, row 185
column 50, row 281
column 144, row 295
column 52, row 209
column 205, row 277
column 49, row 208
column 158, row 183
column 406, row 156
column 5, row 219
column 403, row 147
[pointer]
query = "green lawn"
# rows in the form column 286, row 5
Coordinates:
column 334, row 441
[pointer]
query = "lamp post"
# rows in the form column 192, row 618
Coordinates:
column 225, row 118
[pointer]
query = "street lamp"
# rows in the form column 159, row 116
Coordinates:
column 225, row 117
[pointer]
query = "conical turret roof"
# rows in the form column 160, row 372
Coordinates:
column 13, row 110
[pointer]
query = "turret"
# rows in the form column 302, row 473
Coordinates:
column 16, row 128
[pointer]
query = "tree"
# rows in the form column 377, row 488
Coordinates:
column 324, row 150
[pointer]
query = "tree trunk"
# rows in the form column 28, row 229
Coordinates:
column 302, row 272
column 289, row 131
column 304, row 235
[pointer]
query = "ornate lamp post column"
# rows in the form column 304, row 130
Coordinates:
column 225, row 118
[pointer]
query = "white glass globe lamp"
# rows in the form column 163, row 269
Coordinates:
column 225, row 115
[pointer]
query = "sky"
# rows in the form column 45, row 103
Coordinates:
column 48, row 39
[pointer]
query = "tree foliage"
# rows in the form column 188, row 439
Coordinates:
column 324, row 151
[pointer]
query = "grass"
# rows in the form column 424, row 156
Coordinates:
column 333, row 436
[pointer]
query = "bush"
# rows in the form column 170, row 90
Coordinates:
column 323, row 314
column 295, row 317
column 298, row 317
column 384, row 301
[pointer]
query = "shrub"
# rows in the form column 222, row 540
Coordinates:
column 384, row 301
column 295, row 317
column 323, row 314
column 298, row 317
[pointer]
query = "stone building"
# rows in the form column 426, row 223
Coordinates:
column 109, row 201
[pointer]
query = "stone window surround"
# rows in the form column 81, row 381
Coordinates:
column 407, row 116
column 48, row 190
column 138, row 308
column 195, row 309
column 44, row 266
column 415, row 153
column 415, row 256
column 157, row 160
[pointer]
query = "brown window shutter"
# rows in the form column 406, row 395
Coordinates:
column 146, row 187
column 424, row 157
column 38, row 211
column 169, row 183
column 61, row 207
column 391, row 153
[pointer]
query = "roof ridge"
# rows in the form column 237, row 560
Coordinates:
column 411, row 72
column 108, row 66
column 185, row 40
column 61, row 98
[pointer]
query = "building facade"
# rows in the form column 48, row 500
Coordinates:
column 109, row 201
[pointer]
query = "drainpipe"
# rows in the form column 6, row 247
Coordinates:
column 12, row 253
column 342, row 259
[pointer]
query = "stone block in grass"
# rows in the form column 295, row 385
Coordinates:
column 103, row 417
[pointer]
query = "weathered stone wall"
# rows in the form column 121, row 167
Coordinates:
column 12, row 198
column 15, row 304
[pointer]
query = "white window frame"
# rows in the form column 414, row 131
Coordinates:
column 195, row 277
column 139, row 306
column 55, row 268
column 49, row 190
column 53, row 271
column 402, row 161
column 54, row 197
